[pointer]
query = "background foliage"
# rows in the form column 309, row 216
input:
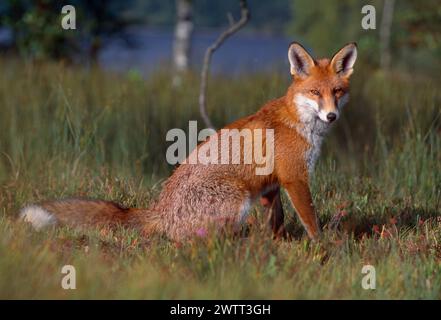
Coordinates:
column 415, row 42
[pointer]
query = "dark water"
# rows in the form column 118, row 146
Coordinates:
column 241, row 53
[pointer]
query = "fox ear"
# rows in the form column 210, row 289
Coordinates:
column 300, row 60
column 343, row 61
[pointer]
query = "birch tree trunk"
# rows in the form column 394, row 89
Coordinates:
column 385, row 33
column 183, row 34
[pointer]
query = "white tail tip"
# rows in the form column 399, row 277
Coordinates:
column 37, row 216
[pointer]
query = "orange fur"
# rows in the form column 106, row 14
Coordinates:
column 197, row 196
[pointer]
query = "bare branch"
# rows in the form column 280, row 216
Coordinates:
column 230, row 19
column 245, row 15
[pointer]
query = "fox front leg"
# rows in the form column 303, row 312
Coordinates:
column 300, row 197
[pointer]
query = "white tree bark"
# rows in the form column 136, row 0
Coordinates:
column 183, row 35
column 385, row 33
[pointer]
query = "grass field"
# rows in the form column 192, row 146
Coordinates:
column 67, row 132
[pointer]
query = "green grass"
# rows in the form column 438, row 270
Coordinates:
column 68, row 132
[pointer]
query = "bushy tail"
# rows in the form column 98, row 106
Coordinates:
column 88, row 214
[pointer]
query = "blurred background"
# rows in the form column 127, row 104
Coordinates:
column 141, row 34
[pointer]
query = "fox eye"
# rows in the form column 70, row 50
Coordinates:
column 315, row 92
column 338, row 90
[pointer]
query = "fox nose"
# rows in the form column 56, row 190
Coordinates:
column 331, row 116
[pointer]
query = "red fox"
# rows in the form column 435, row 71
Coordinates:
column 197, row 196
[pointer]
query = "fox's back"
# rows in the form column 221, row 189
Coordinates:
column 191, row 182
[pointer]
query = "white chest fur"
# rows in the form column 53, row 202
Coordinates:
column 310, row 127
column 314, row 133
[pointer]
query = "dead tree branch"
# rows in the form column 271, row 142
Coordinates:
column 236, row 26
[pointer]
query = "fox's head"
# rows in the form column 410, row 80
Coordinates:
column 320, row 87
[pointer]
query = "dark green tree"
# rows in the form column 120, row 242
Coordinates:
column 37, row 32
column 36, row 28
